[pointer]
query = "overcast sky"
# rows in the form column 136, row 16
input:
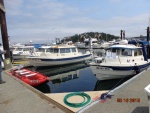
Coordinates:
column 44, row 20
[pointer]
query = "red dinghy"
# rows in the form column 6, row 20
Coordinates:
column 30, row 77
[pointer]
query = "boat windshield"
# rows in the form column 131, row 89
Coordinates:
column 65, row 50
column 138, row 52
column 126, row 52
column 73, row 50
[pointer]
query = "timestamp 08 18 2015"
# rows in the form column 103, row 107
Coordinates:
column 128, row 100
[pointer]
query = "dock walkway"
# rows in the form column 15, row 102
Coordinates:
column 16, row 98
column 130, row 98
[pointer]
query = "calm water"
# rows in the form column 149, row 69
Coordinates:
column 74, row 78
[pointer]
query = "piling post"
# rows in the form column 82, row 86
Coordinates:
column 121, row 33
column 148, row 48
column 5, row 41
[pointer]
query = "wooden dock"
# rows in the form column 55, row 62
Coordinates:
column 18, row 97
column 130, row 97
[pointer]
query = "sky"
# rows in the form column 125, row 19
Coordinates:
column 41, row 21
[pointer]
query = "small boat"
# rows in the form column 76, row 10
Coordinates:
column 121, row 61
column 59, row 55
column 30, row 77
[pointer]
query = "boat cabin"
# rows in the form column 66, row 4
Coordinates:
column 62, row 50
column 124, row 50
column 122, row 54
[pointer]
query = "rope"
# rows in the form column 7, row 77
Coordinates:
column 85, row 96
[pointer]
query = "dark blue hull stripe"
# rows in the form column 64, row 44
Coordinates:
column 65, row 59
column 141, row 67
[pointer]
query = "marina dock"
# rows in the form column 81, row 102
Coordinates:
column 130, row 97
column 17, row 97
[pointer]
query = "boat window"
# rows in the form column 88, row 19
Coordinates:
column 73, row 49
column 127, row 52
column 67, row 50
column 94, row 42
column 113, row 50
column 62, row 50
column 40, row 50
column 56, row 51
column 27, row 49
column 118, row 52
column 137, row 52
column 51, row 50
column 18, row 49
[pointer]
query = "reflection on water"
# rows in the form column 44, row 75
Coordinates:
column 44, row 88
column 70, row 78
column 74, row 78
column 109, row 84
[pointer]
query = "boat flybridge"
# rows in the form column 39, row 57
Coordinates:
column 120, row 61
column 59, row 55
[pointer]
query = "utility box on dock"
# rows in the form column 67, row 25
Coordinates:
column 147, row 89
column 7, row 63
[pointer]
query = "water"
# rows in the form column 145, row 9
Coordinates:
column 74, row 78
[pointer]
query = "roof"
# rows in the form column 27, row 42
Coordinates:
column 128, row 46
column 64, row 46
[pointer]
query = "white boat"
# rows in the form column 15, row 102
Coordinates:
column 21, row 52
column 89, row 43
column 104, row 44
column 59, row 55
column 120, row 61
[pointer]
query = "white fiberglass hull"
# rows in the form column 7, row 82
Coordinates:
column 110, row 72
column 38, row 62
column 17, row 57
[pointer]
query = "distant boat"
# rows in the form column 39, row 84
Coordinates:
column 30, row 77
column 88, row 43
column 59, row 55
column 121, row 61
column 21, row 52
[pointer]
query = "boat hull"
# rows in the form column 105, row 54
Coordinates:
column 115, row 72
column 39, row 62
column 18, row 56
